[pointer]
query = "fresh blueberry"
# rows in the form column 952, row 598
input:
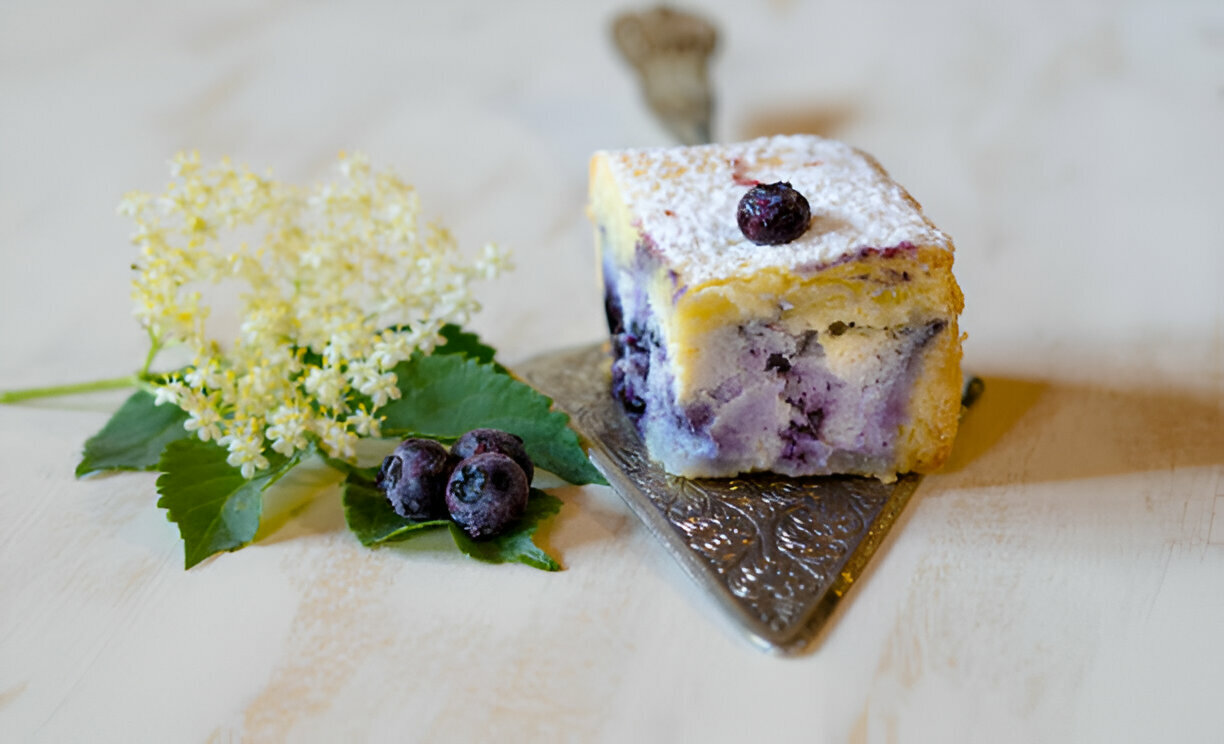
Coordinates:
column 773, row 213
column 485, row 493
column 479, row 441
column 414, row 476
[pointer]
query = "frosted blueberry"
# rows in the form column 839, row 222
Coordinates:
column 486, row 493
column 773, row 213
column 414, row 477
column 479, row 441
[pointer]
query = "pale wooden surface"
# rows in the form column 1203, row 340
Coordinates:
column 1062, row 581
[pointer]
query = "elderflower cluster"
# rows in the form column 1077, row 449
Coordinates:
column 337, row 285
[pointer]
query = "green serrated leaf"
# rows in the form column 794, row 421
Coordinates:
column 369, row 515
column 133, row 438
column 515, row 544
column 459, row 341
column 442, row 396
column 215, row 508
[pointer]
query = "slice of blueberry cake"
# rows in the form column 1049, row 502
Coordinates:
column 777, row 305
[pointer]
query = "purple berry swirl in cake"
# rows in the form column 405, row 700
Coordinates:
column 748, row 335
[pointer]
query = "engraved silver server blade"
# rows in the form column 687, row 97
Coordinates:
column 776, row 554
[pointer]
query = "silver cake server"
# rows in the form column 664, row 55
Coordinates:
column 776, row 554
column 670, row 50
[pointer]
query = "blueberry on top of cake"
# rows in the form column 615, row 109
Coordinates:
column 773, row 213
column 833, row 349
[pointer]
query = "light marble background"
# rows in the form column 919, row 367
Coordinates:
column 1063, row 580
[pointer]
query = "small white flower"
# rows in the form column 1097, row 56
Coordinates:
column 493, row 262
column 205, row 376
column 326, row 384
column 170, row 392
column 392, row 348
column 245, row 451
column 341, row 346
column 382, row 389
column 287, row 430
column 205, row 422
column 364, row 423
column 185, row 163
column 134, row 203
column 336, row 439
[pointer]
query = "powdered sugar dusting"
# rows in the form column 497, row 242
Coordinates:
column 684, row 200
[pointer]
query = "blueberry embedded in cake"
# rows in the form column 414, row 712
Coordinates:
column 777, row 305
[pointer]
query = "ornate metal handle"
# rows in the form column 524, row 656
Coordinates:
column 670, row 51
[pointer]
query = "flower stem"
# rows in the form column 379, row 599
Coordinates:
column 154, row 347
column 114, row 383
